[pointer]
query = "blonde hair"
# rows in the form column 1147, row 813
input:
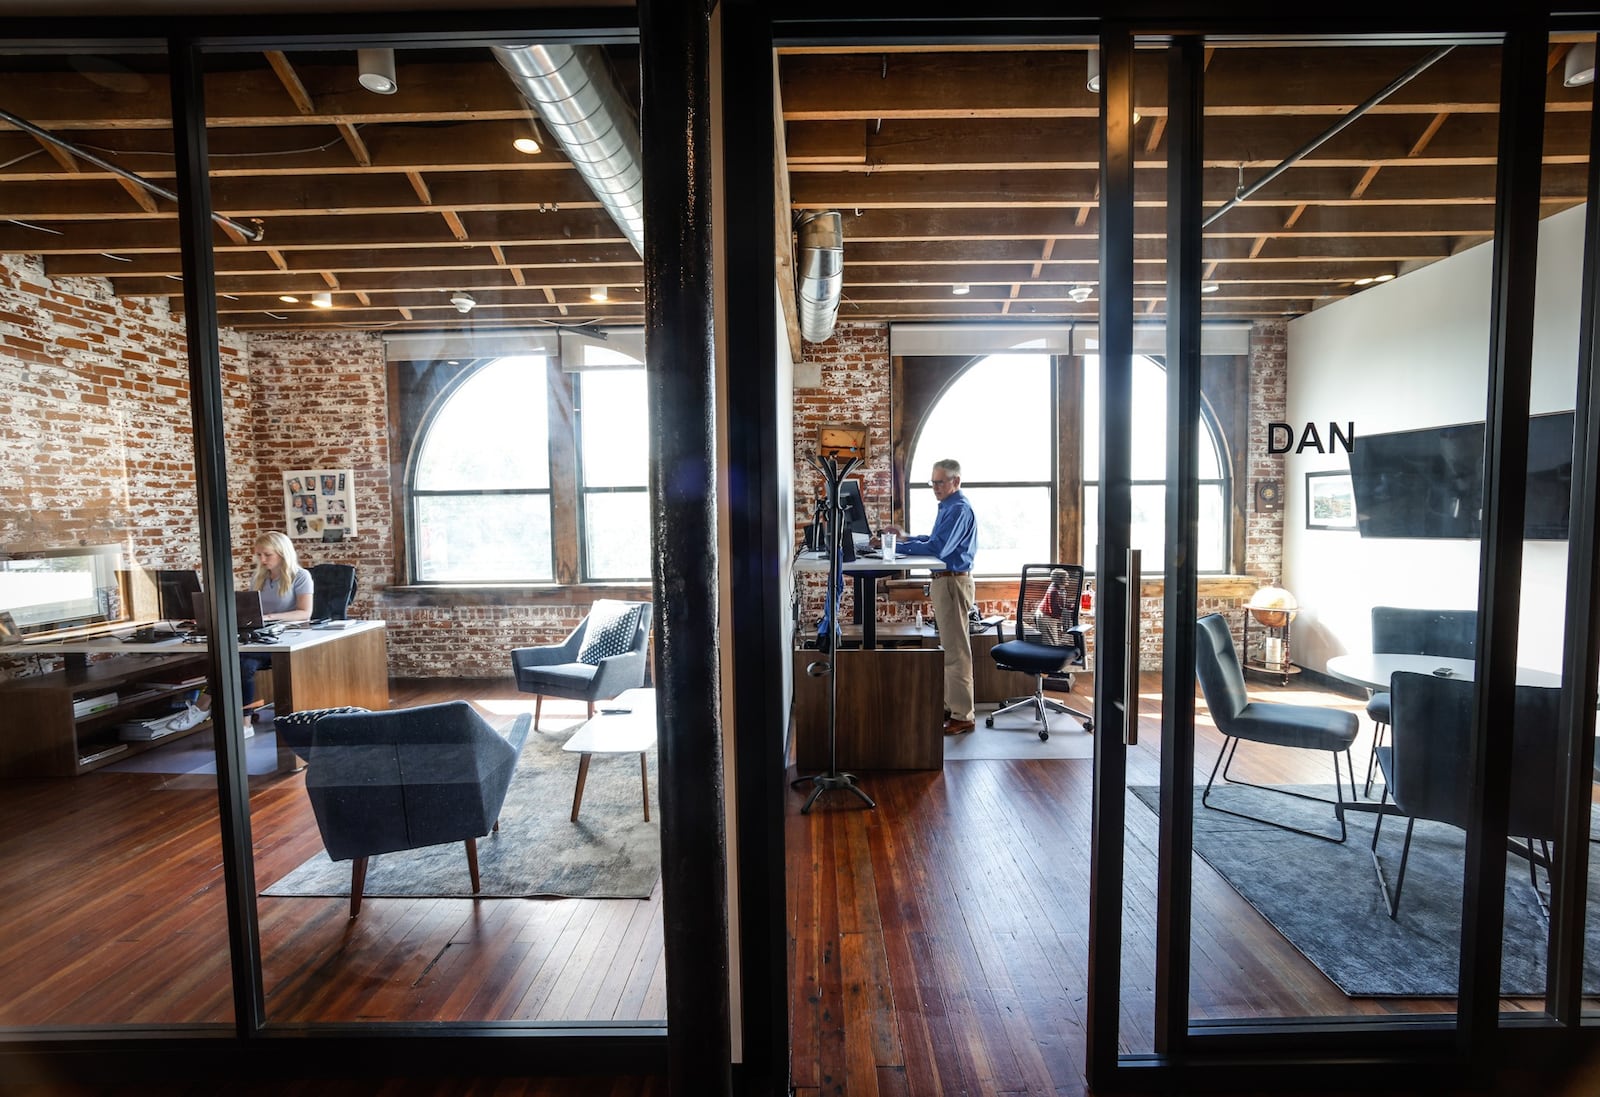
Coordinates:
column 275, row 541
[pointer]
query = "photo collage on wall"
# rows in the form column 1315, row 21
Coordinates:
column 320, row 503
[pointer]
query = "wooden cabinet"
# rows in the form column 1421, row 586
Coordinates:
column 40, row 736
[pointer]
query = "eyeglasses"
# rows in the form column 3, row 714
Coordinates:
column 936, row 483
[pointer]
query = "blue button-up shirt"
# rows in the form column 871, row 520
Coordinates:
column 954, row 538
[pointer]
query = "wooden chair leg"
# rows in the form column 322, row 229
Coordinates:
column 583, row 775
column 538, row 707
column 358, row 881
column 591, row 710
column 472, row 862
column 644, row 780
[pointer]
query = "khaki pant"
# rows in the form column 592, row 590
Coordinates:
column 953, row 596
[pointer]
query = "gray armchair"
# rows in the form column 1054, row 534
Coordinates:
column 408, row 778
column 602, row 657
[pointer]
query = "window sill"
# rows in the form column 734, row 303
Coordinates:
column 431, row 595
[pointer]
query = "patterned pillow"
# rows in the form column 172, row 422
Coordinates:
column 612, row 626
column 294, row 728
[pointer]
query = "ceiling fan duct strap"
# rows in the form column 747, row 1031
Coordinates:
column 820, row 278
column 576, row 97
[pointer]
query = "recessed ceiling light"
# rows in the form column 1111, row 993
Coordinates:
column 525, row 139
column 1363, row 281
column 1384, row 278
column 960, row 289
column 1209, row 287
column 288, row 298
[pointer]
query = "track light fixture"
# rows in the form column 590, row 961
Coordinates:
column 961, row 289
column 1093, row 83
column 598, row 294
column 463, row 301
column 1580, row 65
column 377, row 71
column 323, row 300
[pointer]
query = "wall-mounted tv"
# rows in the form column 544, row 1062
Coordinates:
column 1429, row 482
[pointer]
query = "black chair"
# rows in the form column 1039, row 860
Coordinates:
column 600, row 658
column 1451, row 633
column 408, row 778
column 1427, row 768
column 333, row 590
column 1048, row 639
column 1308, row 727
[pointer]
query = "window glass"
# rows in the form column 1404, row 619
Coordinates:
column 614, row 449
column 492, row 432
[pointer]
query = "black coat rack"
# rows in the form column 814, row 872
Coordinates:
column 833, row 474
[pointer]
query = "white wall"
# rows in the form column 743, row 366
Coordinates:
column 1410, row 353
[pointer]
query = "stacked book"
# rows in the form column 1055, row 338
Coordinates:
column 144, row 731
column 88, row 706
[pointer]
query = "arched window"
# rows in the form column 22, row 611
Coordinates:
column 1149, row 472
column 998, row 420
column 480, row 490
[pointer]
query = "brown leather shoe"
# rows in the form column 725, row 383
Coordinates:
column 958, row 727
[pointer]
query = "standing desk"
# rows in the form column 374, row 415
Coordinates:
column 866, row 572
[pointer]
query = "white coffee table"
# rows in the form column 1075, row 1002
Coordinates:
column 626, row 725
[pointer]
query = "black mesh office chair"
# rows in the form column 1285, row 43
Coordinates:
column 1048, row 639
column 333, row 589
column 1452, row 633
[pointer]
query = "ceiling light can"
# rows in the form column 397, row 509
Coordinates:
column 377, row 71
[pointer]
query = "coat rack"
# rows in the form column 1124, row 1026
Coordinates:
column 832, row 473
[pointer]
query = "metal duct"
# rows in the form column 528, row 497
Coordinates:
column 572, row 89
column 820, row 279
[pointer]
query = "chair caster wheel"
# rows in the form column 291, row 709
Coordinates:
column 1088, row 726
column 988, row 721
column 1043, row 735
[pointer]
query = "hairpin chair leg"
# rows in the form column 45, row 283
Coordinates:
column 1224, row 762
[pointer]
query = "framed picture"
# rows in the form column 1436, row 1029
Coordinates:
column 1330, row 501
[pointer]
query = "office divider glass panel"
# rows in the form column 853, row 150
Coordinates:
column 1358, row 435
column 111, row 885
column 410, row 254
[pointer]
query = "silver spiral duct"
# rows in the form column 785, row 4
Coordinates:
column 820, row 277
column 573, row 91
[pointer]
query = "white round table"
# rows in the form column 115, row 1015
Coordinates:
column 1374, row 670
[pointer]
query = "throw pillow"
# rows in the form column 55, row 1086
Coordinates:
column 294, row 728
column 611, row 629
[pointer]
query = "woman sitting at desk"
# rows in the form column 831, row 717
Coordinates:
column 286, row 591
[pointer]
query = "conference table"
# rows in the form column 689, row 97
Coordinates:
column 1375, row 669
column 866, row 571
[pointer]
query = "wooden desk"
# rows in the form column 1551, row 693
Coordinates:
column 866, row 571
column 890, row 709
column 39, row 736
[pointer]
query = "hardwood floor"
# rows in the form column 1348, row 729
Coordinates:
column 126, row 923
column 939, row 944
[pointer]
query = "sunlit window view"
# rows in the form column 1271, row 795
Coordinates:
column 482, row 486
column 1149, row 469
column 997, row 419
column 614, row 454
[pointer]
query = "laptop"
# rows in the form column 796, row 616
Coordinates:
column 246, row 606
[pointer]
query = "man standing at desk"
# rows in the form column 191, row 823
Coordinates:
column 955, row 541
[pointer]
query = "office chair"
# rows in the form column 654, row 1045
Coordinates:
column 600, row 658
column 1452, row 633
column 1237, row 717
column 1428, row 762
column 333, row 589
column 1048, row 639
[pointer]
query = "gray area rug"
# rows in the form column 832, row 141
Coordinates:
column 1324, row 898
column 609, row 853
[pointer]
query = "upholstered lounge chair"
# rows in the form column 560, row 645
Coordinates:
column 602, row 657
column 1238, row 718
column 408, row 778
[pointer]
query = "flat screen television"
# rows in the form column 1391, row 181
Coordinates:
column 1428, row 483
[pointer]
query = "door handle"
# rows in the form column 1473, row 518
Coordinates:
column 1130, row 668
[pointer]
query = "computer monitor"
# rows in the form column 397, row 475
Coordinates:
column 176, row 590
column 246, row 607
column 855, row 508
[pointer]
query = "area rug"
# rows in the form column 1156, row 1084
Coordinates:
column 609, row 853
column 1324, row 898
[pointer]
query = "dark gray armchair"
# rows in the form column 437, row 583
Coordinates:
column 1452, row 633
column 602, row 657
column 1310, row 727
column 407, row 778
